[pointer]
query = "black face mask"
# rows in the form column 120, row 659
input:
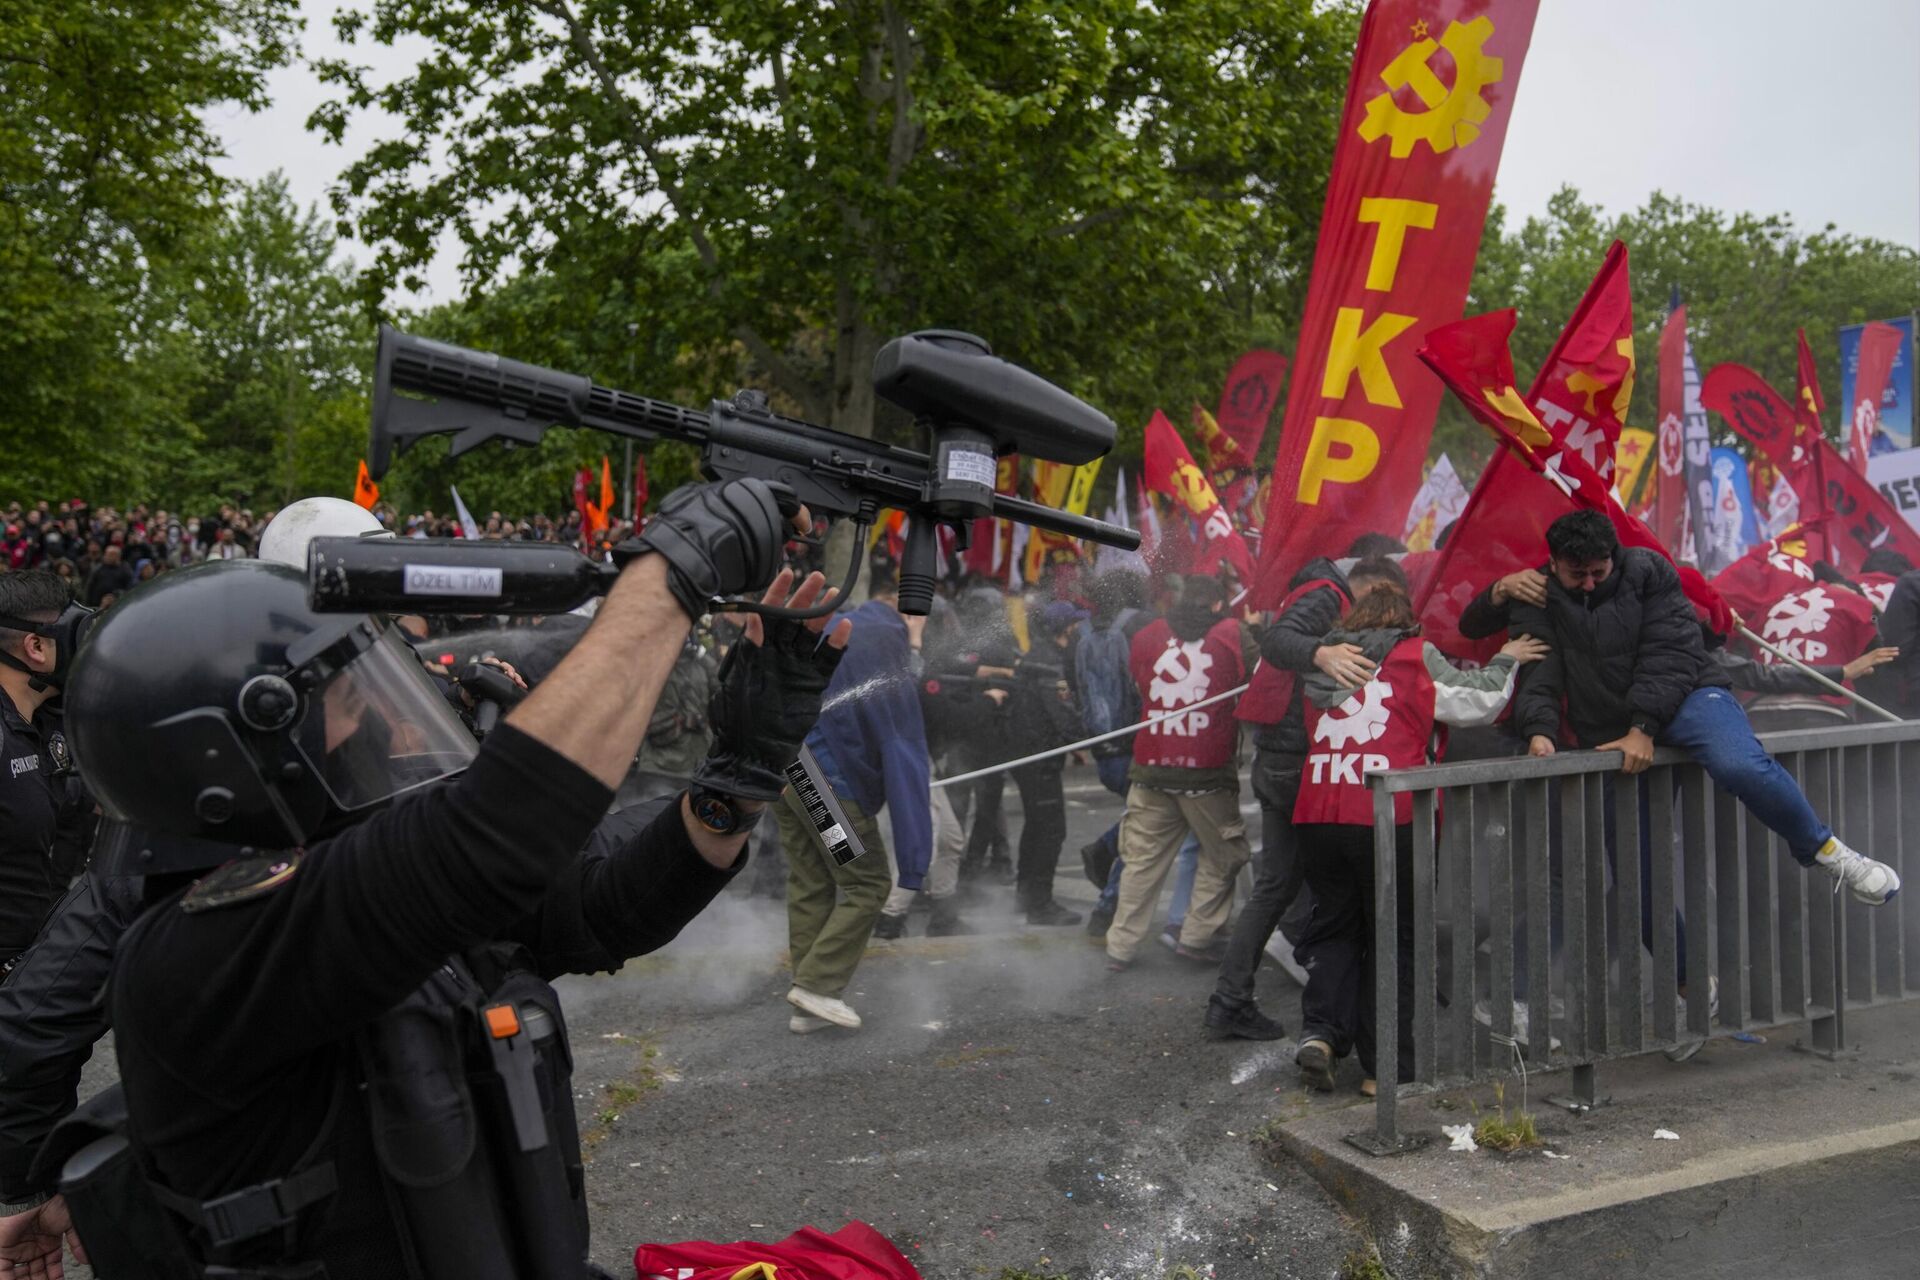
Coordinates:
column 1191, row 620
column 66, row 632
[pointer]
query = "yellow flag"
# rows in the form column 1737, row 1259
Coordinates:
column 1630, row 461
column 1080, row 492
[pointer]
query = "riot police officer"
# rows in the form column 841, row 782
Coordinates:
column 338, row 1050
column 39, row 627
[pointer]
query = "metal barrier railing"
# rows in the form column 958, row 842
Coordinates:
column 1722, row 892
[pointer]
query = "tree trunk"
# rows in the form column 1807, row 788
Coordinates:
column 852, row 412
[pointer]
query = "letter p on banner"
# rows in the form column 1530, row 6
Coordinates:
column 1426, row 116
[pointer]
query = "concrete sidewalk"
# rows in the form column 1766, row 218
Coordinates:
column 1785, row 1164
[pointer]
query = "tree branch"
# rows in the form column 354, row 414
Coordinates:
column 905, row 136
column 790, row 379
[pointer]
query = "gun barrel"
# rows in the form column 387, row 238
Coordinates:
column 1065, row 522
column 450, row 575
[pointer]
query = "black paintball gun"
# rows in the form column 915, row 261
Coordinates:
column 972, row 406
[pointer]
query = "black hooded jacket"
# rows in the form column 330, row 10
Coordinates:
column 1625, row 655
column 1289, row 644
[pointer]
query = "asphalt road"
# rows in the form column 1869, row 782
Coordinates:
column 1008, row 1105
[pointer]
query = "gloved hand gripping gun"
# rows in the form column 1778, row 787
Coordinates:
column 973, row 405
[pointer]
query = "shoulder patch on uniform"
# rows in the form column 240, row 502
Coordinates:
column 241, row 880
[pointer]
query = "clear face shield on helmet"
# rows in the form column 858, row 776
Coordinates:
column 375, row 726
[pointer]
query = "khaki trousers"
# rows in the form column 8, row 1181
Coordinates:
column 831, row 909
column 1150, row 835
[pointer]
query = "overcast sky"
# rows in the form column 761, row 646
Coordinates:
column 1769, row 106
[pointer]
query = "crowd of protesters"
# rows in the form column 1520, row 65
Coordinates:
column 1602, row 649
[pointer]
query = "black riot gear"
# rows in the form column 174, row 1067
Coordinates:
column 66, row 631
column 212, row 709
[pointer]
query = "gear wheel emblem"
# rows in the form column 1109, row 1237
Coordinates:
column 1453, row 116
column 1357, row 721
column 1804, row 614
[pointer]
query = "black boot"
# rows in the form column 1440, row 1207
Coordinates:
column 1098, row 921
column 945, row 921
column 1051, row 912
column 888, row 928
column 1243, row 1022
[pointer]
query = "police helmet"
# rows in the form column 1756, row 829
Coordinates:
column 288, row 533
column 212, row 708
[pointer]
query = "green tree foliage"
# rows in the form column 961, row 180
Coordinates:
column 1748, row 282
column 1120, row 196
column 104, row 176
column 278, row 393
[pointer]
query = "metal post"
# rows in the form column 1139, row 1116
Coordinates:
column 1385, row 1138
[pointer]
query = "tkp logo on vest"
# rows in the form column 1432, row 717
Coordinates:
column 1360, row 720
column 1180, row 674
column 1357, row 721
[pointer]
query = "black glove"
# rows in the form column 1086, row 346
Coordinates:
column 767, row 700
column 717, row 540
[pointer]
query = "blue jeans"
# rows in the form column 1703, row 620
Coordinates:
column 1712, row 727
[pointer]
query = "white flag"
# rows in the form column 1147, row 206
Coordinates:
column 467, row 527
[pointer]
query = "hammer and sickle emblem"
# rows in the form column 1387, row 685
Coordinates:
column 1453, row 116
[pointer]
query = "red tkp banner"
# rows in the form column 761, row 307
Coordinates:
column 1169, row 469
column 1774, row 591
column 1247, row 401
column 1507, row 531
column 1879, row 343
column 1583, row 389
column 1427, row 108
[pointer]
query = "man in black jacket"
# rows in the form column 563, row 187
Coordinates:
column 1629, row 665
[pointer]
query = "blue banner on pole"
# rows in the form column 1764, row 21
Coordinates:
column 1896, row 409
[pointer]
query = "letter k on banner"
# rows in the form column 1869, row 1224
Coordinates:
column 1426, row 115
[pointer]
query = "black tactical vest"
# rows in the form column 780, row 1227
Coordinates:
column 452, row 1129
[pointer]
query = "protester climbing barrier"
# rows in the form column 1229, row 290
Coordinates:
column 1515, row 880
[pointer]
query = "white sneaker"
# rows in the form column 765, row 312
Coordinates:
column 1872, row 882
column 802, row 1024
column 838, row 1012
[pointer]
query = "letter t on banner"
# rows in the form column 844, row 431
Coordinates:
column 1426, row 115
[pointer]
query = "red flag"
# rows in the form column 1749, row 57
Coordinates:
column 1419, row 142
column 365, row 491
column 1810, row 404
column 1169, row 469
column 990, row 541
column 1503, row 528
column 1857, row 517
column 1507, row 530
column 1247, row 401
column 854, row 1252
column 1774, row 591
column 1879, row 343
column 1582, row 391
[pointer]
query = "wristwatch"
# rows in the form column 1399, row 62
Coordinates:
column 721, row 813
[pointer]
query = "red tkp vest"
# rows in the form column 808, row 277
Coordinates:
column 1270, row 692
column 1878, row 588
column 1386, row 724
column 1821, row 623
column 1171, row 674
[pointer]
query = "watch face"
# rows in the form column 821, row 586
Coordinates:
column 715, row 812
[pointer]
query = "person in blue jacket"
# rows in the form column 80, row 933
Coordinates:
column 871, row 744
